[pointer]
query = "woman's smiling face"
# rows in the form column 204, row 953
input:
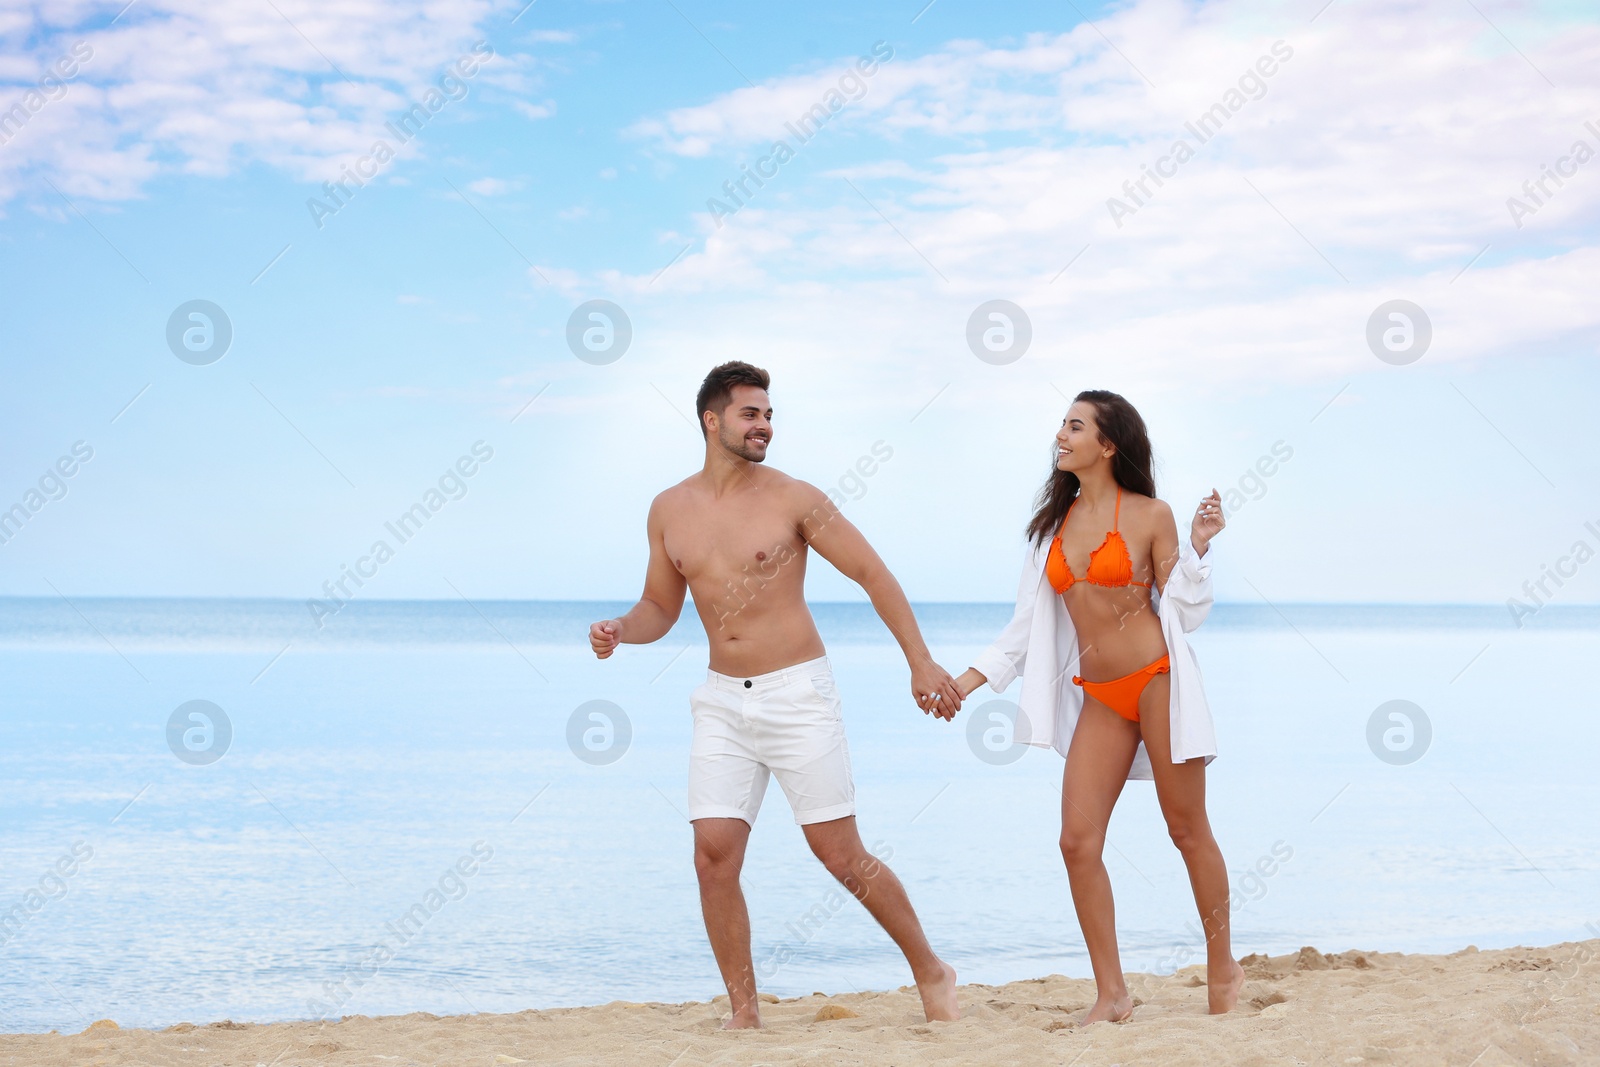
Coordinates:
column 1078, row 444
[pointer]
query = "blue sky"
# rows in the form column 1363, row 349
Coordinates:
column 974, row 164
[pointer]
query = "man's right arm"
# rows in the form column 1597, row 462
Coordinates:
column 659, row 605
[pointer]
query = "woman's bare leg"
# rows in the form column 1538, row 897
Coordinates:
column 1181, row 791
column 1098, row 759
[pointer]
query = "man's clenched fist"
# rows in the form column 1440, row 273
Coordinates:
column 604, row 637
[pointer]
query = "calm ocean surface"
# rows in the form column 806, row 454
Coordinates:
column 368, row 760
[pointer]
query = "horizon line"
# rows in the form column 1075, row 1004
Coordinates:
column 860, row 603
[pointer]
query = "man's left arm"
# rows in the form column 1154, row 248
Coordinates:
column 836, row 539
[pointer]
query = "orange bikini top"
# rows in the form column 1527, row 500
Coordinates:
column 1114, row 568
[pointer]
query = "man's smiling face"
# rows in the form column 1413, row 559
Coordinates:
column 745, row 425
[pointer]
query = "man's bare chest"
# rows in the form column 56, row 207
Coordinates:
column 706, row 545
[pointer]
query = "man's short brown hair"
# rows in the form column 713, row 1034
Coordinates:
column 716, row 392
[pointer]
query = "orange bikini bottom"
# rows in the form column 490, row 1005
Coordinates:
column 1121, row 695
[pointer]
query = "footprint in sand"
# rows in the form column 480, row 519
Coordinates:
column 1543, row 963
column 1267, row 1000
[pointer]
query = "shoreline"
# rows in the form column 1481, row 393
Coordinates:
column 1488, row 1008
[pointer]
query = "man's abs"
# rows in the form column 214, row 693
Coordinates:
column 757, row 646
column 754, row 628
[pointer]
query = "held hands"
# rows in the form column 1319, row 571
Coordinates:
column 1208, row 522
column 604, row 637
column 935, row 691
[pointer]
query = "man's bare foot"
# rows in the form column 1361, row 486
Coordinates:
column 939, row 996
column 747, row 1020
column 1110, row 1009
column 1224, row 995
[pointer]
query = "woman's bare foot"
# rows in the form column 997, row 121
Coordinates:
column 939, row 996
column 748, row 1020
column 1225, row 994
column 1110, row 1009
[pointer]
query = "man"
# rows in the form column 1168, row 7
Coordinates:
column 736, row 534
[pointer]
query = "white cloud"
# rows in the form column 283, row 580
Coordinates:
column 1371, row 163
column 493, row 186
column 207, row 88
column 535, row 111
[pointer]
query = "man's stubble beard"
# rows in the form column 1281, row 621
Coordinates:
column 742, row 450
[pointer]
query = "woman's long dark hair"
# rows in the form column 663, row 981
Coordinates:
column 1121, row 427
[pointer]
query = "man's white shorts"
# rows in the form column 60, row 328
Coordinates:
column 787, row 723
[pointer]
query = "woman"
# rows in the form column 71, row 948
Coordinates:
column 1099, row 542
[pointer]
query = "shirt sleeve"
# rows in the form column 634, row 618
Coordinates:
column 1002, row 662
column 1189, row 586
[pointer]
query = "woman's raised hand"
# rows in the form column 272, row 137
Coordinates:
column 1208, row 522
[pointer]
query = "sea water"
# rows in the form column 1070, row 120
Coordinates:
column 418, row 809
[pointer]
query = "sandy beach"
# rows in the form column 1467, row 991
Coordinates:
column 1487, row 1009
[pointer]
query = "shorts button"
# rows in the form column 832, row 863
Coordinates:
column 748, row 683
